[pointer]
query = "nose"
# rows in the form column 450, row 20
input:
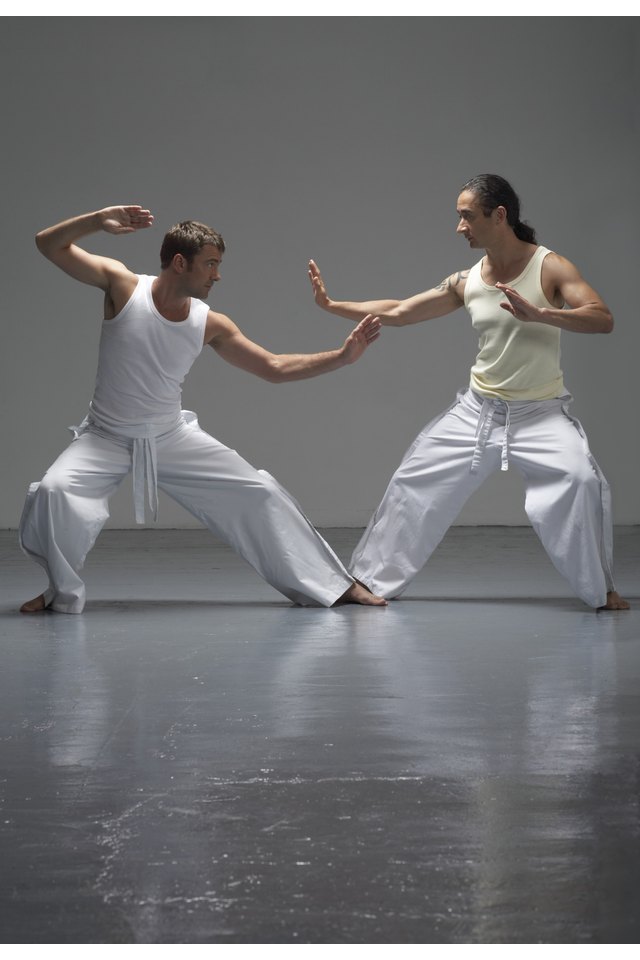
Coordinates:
column 461, row 226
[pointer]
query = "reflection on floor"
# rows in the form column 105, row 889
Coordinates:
column 195, row 760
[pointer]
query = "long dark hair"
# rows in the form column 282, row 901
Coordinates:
column 493, row 191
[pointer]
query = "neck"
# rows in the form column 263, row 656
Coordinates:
column 506, row 251
column 169, row 299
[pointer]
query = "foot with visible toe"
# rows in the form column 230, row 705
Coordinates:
column 358, row 593
column 615, row 602
column 37, row 605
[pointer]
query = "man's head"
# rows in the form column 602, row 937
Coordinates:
column 187, row 239
column 191, row 254
column 490, row 198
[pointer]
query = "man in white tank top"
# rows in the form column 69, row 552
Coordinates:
column 520, row 297
column 153, row 329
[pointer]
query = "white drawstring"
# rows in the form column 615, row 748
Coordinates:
column 483, row 429
column 145, row 464
column 504, row 464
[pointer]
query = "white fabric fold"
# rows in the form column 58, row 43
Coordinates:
column 567, row 498
column 144, row 454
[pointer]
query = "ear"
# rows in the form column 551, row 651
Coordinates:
column 501, row 214
column 179, row 263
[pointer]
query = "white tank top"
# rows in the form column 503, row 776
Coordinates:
column 142, row 362
column 516, row 360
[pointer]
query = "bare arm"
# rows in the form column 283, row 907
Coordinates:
column 58, row 244
column 232, row 345
column 586, row 313
column 437, row 302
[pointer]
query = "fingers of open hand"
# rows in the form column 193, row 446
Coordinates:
column 367, row 331
column 141, row 219
column 135, row 217
column 370, row 323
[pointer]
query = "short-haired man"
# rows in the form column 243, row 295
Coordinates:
column 153, row 330
column 514, row 411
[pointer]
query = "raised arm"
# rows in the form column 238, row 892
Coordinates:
column 437, row 302
column 585, row 311
column 58, row 244
column 232, row 345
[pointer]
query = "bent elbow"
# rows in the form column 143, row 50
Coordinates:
column 43, row 244
column 608, row 323
column 273, row 372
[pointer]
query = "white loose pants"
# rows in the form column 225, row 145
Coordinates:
column 567, row 496
column 245, row 507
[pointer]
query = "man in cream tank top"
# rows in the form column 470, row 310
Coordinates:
column 153, row 330
column 515, row 411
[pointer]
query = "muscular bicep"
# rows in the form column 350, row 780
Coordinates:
column 576, row 292
column 565, row 285
column 232, row 345
column 87, row 267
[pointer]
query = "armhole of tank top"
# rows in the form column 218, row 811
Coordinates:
column 136, row 290
column 471, row 280
column 203, row 324
column 544, row 256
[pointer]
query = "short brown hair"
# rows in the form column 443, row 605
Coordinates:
column 188, row 238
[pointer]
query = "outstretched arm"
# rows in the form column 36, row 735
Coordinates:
column 586, row 313
column 58, row 243
column 232, row 345
column 437, row 302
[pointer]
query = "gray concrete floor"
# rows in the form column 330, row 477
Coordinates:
column 195, row 760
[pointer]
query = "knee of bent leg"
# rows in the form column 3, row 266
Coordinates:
column 266, row 491
column 54, row 482
column 265, row 486
column 583, row 478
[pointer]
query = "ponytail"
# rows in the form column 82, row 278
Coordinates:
column 524, row 231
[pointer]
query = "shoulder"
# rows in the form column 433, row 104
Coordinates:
column 558, row 268
column 560, row 278
column 117, row 272
column 455, row 283
column 119, row 275
column 121, row 286
column 218, row 327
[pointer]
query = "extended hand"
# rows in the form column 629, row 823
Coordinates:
column 359, row 339
column 520, row 308
column 125, row 219
column 319, row 289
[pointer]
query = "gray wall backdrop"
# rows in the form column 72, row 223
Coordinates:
column 342, row 139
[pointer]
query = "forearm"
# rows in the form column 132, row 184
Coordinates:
column 62, row 235
column 590, row 318
column 385, row 310
column 286, row 367
column 232, row 345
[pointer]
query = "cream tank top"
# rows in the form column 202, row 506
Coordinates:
column 516, row 360
column 142, row 362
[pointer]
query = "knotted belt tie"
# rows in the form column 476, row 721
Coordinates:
column 485, row 422
column 145, row 465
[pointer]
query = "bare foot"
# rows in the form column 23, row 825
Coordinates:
column 37, row 605
column 358, row 593
column 615, row 602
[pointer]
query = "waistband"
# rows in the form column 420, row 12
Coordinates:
column 490, row 409
column 141, row 437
